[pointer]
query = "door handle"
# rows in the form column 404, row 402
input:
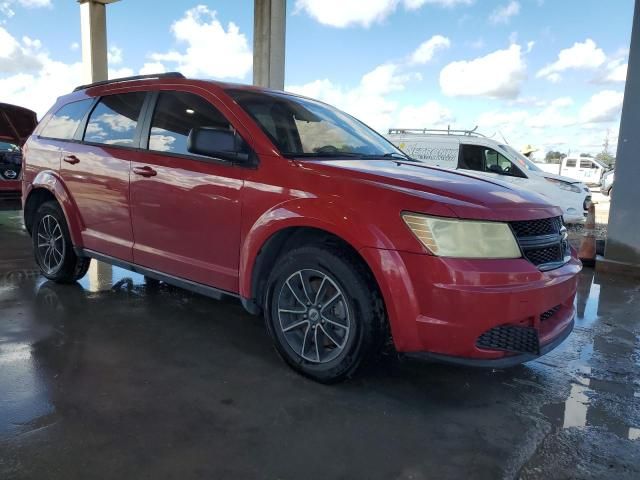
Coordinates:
column 72, row 159
column 145, row 171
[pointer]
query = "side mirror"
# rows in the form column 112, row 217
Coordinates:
column 217, row 142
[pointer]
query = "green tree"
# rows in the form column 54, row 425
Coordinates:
column 605, row 156
column 553, row 156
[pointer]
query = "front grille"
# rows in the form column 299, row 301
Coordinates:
column 549, row 313
column 543, row 242
column 510, row 338
column 540, row 256
column 533, row 228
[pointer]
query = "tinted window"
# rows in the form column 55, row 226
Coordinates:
column 176, row 113
column 115, row 119
column 571, row 163
column 484, row 159
column 586, row 164
column 64, row 123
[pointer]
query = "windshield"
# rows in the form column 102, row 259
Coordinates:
column 8, row 147
column 300, row 127
column 521, row 159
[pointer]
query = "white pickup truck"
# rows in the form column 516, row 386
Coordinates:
column 583, row 169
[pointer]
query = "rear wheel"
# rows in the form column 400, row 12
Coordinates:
column 52, row 246
column 324, row 312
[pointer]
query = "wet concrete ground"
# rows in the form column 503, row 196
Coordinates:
column 113, row 378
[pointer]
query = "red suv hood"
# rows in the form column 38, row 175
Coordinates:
column 16, row 123
column 468, row 196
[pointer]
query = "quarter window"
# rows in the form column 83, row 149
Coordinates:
column 63, row 124
column 176, row 113
column 115, row 119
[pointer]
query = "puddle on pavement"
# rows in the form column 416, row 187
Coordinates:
column 584, row 405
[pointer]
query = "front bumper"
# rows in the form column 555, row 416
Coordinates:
column 444, row 306
column 10, row 188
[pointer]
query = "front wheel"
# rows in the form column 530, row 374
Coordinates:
column 324, row 312
column 52, row 246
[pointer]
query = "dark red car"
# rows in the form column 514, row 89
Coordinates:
column 305, row 214
column 16, row 124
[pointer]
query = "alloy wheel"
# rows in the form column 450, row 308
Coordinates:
column 51, row 245
column 314, row 316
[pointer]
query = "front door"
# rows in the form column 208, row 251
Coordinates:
column 96, row 173
column 490, row 163
column 186, row 209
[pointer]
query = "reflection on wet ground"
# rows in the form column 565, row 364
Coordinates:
column 114, row 377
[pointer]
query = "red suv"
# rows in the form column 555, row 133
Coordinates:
column 305, row 214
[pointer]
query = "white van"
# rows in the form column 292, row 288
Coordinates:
column 581, row 169
column 468, row 150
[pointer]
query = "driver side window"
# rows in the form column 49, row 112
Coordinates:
column 484, row 159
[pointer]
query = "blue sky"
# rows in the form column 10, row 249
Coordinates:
column 492, row 63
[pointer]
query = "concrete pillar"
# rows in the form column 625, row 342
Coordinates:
column 93, row 22
column 622, row 252
column 269, row 26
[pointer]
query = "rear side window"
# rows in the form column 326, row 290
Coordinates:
column 114, row 120
column 571, row 163
column 176, row 113
column 63, row 124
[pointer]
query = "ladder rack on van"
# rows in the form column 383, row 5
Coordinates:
column 435, row 131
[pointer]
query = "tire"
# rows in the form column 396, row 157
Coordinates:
column 52, row 246
column 341, row 335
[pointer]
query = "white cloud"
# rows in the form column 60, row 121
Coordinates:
column 35, row 3
column 604, row 106
column 35, row 80
column 74, row 46
column 428, row 115
column 497, row 75
column 114, row 55
column 504, row 13
column 152, row 67
column 425, row 52
column 580, row 56
column 19, row 55
column 413, row 4
column 368, row 100
column 553, row 115
column 6, row 7
column 615, row 71
column 344, row 13
column 211, row 50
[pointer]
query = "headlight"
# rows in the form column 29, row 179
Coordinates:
column 448, row 237
column 570, row 187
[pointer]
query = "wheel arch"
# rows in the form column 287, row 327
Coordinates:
column 47, row 186
column 254, row 279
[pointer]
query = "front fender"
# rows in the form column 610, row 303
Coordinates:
column 311, row 213
column 51, row 181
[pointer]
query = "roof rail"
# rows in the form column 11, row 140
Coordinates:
column 130, row 79
column 447, row 131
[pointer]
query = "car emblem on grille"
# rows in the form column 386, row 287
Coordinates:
column 10, row 174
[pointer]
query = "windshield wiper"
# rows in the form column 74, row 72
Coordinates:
column 324, row 155
column 403, row 156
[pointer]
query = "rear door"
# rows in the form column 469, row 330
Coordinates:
column 96, row 173
column 186, row 209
